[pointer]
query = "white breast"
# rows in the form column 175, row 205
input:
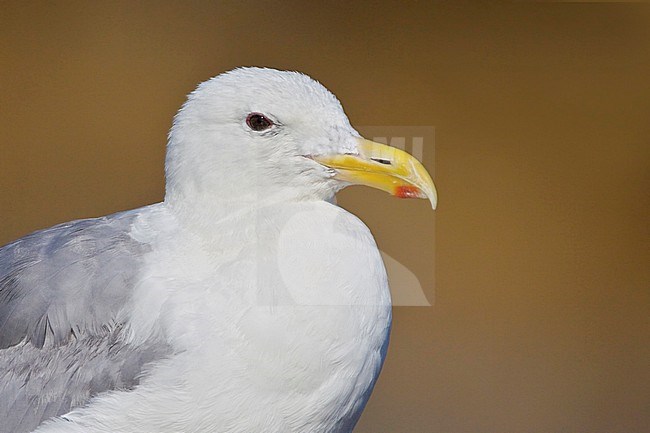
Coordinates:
column 279, row 328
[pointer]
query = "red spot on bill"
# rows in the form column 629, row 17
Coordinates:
column 408, row 192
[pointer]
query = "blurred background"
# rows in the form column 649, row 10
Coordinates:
column 536, row 262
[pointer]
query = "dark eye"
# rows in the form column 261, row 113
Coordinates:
column 258, row 122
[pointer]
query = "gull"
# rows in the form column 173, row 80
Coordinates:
column 246, row 301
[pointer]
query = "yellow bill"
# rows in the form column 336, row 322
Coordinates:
column 383, row 167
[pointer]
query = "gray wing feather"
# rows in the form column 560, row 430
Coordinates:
column 61, row 290
column 70, row 278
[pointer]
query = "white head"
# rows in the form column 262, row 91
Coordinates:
column 255, row 134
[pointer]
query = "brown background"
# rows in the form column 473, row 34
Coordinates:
column 542, row 116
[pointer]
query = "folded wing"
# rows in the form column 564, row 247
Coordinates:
column 62, row 291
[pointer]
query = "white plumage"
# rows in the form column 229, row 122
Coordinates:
column 245, row 302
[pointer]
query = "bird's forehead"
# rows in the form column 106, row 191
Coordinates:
column 334, row 140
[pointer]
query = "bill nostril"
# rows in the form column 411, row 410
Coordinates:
column 382, row 161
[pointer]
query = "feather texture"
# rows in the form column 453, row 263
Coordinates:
column 61, row 291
